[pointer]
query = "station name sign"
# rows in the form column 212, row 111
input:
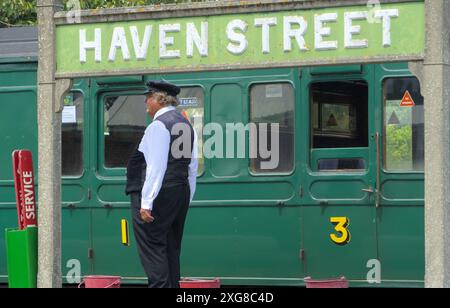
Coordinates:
column 321, row 36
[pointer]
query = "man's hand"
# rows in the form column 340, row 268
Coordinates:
column 146, row 216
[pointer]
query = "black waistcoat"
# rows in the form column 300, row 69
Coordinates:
column 177, row 168
column 135, row 172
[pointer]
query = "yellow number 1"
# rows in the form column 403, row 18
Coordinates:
column 125, row 233
column 342, row 224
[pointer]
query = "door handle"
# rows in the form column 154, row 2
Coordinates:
column 369, row 190
column 378, row 176
column 377, row 190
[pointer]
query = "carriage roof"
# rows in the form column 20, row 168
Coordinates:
column 18, row 42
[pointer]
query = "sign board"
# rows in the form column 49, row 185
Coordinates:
column 407, row 100
column 353, row 34
column 24, row 185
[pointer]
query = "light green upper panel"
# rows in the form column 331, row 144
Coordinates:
column 392, row 32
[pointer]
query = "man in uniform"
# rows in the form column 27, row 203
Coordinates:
column 161, row 179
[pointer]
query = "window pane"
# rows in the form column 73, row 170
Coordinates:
column 403, row 125
column 339, row 115
column 125, row 121
column 272, row 104
column 341, row 164
column 72, row 135
column 192, row 107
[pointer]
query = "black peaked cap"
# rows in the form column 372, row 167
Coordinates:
column 162, row 86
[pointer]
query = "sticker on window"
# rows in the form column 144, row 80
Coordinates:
column 396, row 115
column 68, row 100
column 274, row 91
column 69, row 115
column 407, row 100
column 189, row 102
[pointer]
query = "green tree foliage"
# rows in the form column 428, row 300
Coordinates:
column 399, row 147
column 23, row 12
column 96, row 4
column 17, row 12
column 399, row 136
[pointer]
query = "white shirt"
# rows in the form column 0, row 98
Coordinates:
column 155, row 146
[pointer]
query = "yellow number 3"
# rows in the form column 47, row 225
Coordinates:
column 342, row 224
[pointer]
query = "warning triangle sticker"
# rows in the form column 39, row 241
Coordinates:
column 407, row 100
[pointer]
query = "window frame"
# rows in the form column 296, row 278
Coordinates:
column 316, row 154
column 384, row 133
column 84, row 145
column 200, row 87
column 119, row 171
column 101, row 161
column 251, row 172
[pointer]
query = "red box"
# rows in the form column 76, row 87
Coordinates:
column 339, row 283
column 187, row 283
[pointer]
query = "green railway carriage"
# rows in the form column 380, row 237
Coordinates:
column 344, row 135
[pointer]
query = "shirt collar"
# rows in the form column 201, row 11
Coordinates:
column 163, row 111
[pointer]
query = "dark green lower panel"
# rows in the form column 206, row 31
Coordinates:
column 110, row 257
column 254, row 245
column 243, row 243
column 326, row 259
column 76, row 242
column 401, row 243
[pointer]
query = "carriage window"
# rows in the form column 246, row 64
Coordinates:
column 72, row 135
column 339, row 115
column 192, row 107
column 403, row 125
column 272, row 104
column 125, row 121
column 339, row 126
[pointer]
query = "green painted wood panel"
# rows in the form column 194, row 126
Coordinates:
column 18, row 125
column 227, row 107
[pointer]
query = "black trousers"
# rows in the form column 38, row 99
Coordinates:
column 159, row 242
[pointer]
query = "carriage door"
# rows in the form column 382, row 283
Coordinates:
column 75, row 181
column 121, row 120
column 400, row 180
column 339, row 225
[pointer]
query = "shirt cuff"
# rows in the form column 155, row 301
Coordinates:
column 145, row 205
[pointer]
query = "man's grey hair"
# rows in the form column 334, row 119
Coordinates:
column 165, row 99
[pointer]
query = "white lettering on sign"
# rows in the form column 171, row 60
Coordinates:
column 141, row 48
column 321, row 31
column 265, row 23
column 238, row 43
column 298, row 33
column 199, row 40
column 327, row 30
column 386, row 16
column 28, row 189
column 165, row 41
column 119, row 40
column 350, row 30
column 96, row 45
